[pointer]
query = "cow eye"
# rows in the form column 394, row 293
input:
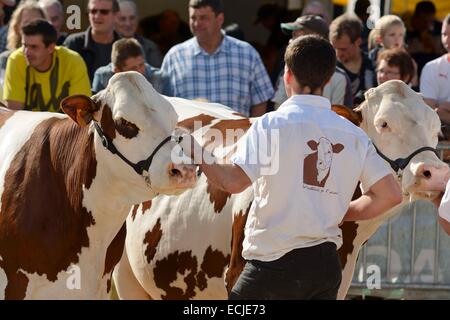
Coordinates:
column 384, row 124
column 125, row 128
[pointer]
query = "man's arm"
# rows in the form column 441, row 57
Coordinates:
column 382, row 195
column 14, row 105
column 228, row 177
column 258, row 109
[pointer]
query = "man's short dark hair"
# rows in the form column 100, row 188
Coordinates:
column 216, row 5
column 41, row 27
column 123, row 49
column 346, row 24
column 312, row 60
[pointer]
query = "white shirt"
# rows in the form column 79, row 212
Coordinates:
column 435, row 79
column 444, row 207
column 297, row 205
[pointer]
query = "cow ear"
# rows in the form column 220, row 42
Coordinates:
column 312, row 144
column 337, row 148
column 354, row 116
column 80, row 108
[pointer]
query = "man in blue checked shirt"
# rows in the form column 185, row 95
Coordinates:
column 216, row 67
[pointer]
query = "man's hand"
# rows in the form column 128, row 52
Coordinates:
column 228, row 177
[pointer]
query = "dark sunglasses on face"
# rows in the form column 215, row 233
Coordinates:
column 103, row 12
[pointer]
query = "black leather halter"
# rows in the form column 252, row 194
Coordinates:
column 401, row 163
column 141, row 166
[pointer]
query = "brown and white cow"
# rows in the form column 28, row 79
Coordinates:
column 64, row 196
column 179, row 248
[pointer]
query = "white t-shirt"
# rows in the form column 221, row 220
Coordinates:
column 317, row 159
column 444, row 208
column 435, row 79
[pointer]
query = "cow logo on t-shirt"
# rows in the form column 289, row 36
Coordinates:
column 317, row 165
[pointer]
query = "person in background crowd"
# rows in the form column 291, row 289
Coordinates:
column 40, row 74
column 166, row 29
column 54, row 13
column 126, row 26
column 435, row 78
column 390, row 35
column 217, row 67
column 345, row 36
column 25, row 12
column 338, row 89
column 395, row 64
column 423, row 37
column 316, row 8
column 270, row 16
column 4, row 27
column 363, row 12
column 95, row 44
column 126, row 55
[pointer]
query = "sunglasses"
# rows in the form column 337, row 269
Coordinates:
column 103, row 12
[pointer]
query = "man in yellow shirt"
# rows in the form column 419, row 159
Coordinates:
column 40, row 74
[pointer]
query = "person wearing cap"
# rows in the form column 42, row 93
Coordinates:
column 216, row 67
column 338, row 89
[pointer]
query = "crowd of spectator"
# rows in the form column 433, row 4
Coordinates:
column 204, row 59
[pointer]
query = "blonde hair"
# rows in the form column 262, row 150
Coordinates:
column 372, row 39
column 14, row 39
column 387, row 21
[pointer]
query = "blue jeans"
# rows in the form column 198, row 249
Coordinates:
column 305, row 273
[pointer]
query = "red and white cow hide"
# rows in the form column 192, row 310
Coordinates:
column 179, row 248
column 64, row 197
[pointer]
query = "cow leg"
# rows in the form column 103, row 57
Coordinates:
column 127, row 286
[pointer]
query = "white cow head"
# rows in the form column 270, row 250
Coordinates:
column 325, row 150
column 399, row 123
column 136, row 120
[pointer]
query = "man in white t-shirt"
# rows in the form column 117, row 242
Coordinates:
column 435, row 78
column 304, row 162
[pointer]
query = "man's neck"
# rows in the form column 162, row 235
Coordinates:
column 212, row 44
column 298, row 90
column 102, row 38
column 44, row 67
column 354, row 65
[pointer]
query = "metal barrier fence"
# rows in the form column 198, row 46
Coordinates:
column 408, row 257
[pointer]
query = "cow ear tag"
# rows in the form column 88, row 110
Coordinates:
column 80, row 108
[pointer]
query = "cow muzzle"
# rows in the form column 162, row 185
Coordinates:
column 182, row 175
column 429, row 179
